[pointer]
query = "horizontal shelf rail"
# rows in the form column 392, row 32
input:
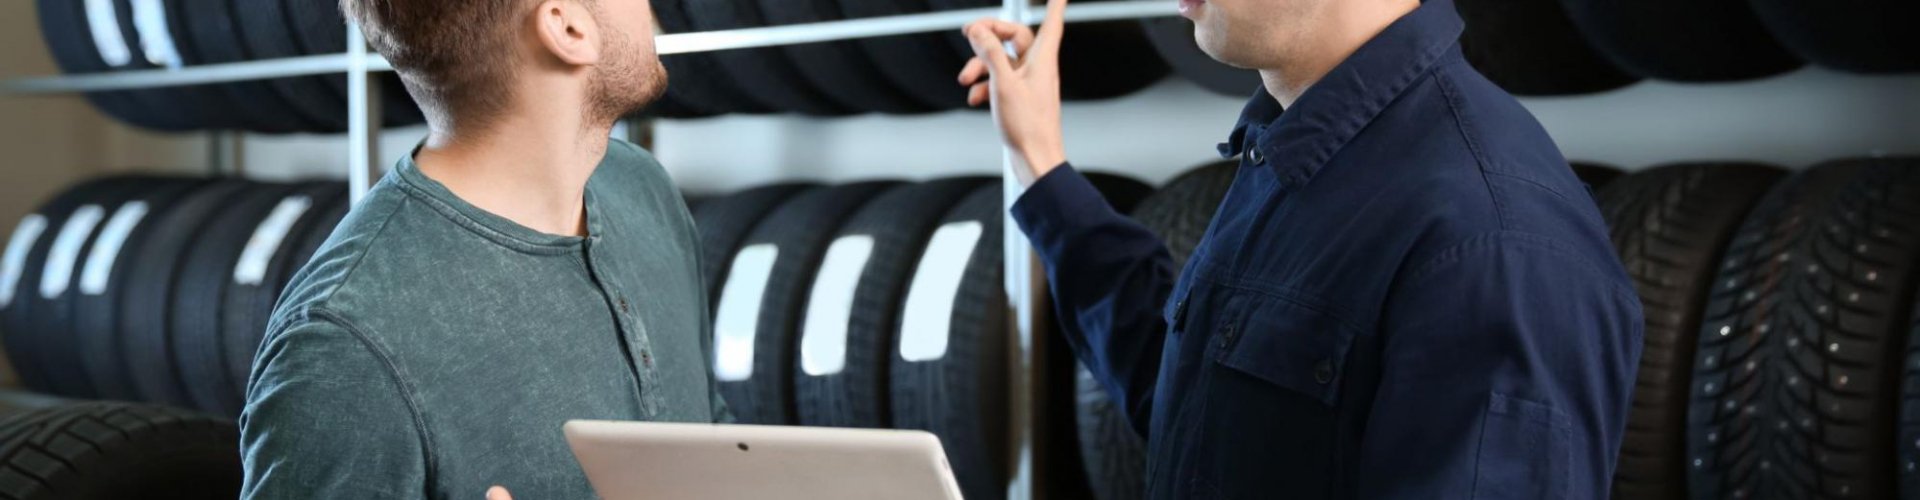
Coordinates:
column 682, row 43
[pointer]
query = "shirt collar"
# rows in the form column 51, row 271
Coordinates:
column 1332, row 111
column 494, row 227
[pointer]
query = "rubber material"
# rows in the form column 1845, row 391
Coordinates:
column 962, row 396
column 239, row 108
column 697, row 81
column 1669, row 226
column 1113, row 451
column 97, row 335
column 52, row 342
column 146, row 320
column 1100, row 60
column 899, row 223
column 1173, row 38
column 1530, row 47
column 102, row 451
column 839, row 69
column 189, row 107
column 1595, row 175
column 800, row 230
column 1862, row 37
column 263, row 26
column 921, row 64
column 1682, row 40
column 210, row 36
column 765, row 73
column 248, row 308
column 1804, row 337
column 199, row 296
column 725, row 223
column 64, row 25
column 20, row 330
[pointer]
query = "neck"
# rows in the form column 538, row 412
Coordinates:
column 531, row 169
column 1333, row 42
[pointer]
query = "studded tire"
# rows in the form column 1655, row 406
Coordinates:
column 105, row 451
column 1670, row 225
column 1794, row 391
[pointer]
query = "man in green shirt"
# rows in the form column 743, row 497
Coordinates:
column 518, row 271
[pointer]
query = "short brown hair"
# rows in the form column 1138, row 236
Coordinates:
column 451, row 53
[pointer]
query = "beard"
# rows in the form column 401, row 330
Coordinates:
column 625, row 82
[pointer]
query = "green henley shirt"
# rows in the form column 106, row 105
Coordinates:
column 432, row 349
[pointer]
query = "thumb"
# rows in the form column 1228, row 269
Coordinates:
column 498, row 493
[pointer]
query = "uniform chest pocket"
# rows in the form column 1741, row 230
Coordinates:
column 1290, row 345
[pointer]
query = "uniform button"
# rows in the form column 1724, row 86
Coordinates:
column 1255, row 155
column 623, row 306
column 1226, row 337
column 1323, row 371
column 1179, row 313
column 646, row 358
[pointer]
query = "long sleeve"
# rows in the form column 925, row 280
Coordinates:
column 1110, row 278
column 327, row 418
column 1507, row 373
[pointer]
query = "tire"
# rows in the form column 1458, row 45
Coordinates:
column 724, row 225
column 211, row 36
column 1669, row 226
column 765, row 73
column 265, row 30
column 64, row 25
column 841, row 377
column 194, row 107
column 1100, row 60
column 1596, row 176
column 51, row 342
column 22, row 268
column 1531, row 48
column 146, row 320
column 319, row 29
column 754, row 336
column 249, row 305
column 1681, row 40
column 239, row 109
column 199, row 297
column 1861, row 37
column 698, row 82
column 839, row 68
column 958, row 390
column 1818, row 283
column 117, row 450
column 98, row 307
column 920, row 64
column 1173, row 38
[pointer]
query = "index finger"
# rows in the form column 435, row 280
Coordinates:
column 1051, row 30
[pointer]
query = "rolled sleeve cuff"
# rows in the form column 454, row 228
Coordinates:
column 1057, row 205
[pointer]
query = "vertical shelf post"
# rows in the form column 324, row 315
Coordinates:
column 1027, row 294
column 363, row 117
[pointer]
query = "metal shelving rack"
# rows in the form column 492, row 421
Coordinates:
column 1025, row 279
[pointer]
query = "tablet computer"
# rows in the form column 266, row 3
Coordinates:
column 656, row 461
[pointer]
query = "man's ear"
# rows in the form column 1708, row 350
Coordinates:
column 567, row 30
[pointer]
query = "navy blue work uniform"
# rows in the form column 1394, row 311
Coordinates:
column 1406, row 295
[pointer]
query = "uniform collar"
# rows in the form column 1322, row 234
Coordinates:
column 493, row 227
column 1333, row 111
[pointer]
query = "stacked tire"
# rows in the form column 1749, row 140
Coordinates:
column 156, row 289
column 99, row 37
column 874, row 305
